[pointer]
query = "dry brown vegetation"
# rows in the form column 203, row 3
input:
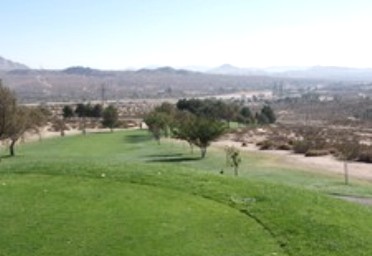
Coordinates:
column 311, row 141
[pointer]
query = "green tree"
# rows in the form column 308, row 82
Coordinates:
column 229, row 112
column 160, row 120
column 16, row 120
column 23, row 120
column 245, row 115
column 110, row 117
column 67, row 111
column 201, row 132
column 268, row 112
column 181, row 125
column 8, row 106
column 167, row 108
column 158, row 124
column 204, row 131
column 96, row 111
column 80, row 110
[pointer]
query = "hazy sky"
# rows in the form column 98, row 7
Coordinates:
column 116, row 34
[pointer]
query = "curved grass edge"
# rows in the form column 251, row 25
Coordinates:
column 302, row 222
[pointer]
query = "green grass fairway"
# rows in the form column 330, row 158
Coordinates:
column 122, row 194
column 54, row 215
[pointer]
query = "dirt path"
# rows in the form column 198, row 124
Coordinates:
column 355, row 199
column 317, row 164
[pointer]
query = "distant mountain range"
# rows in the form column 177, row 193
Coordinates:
column 84, row 83
column 77, row 83
column 7, row 65
column 318, row 72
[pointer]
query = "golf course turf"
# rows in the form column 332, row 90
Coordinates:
column 122, row 194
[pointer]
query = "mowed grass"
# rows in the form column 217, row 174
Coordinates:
column 122, row 194
column 78, row 216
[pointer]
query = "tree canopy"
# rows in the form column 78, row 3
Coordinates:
column 199, row 122
column 16, row 120
column 110, row 117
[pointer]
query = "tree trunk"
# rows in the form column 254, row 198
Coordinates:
column 346, row 173
column 11, row 147
column 84, row 126
column 236, row 170
column 62, row 132
column 203, row 151
column 191, row 148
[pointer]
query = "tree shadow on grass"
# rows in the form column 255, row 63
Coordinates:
column 173, row 159
column 137, row 138
column 6, row 156
column 164, row 155
column 99, row 132
column 16, row 156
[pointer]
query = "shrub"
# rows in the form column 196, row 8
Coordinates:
column 265, row 145
column 365, row 156
column 301, row 146
column 284, row 146
column 333, row 151
column 317, row 152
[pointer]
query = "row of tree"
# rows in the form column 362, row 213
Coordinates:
column 227, row 111
column 199, row 122
column 83, row 110
column 109, row 115
column 16, row 120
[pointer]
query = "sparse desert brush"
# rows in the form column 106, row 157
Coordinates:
column 273, row 145
column 265, row 145
column 333, row 151
column 317, row 152
column 284, row 146
column 301, row 146
column 365, row 155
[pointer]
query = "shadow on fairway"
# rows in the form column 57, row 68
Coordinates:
column 137, row 138
column 173, row 159
column 7, row 156
column 164, row 155
column 99, row 132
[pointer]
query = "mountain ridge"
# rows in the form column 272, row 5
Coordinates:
column 312, row 72
column 7, row 65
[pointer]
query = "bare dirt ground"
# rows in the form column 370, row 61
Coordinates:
column 319, row 164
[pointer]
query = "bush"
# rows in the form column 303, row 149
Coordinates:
column 333, row 151
column 365, row 156
column 284, row 146
column 317, row 152
column 301, row 146
column 273, row 145
column 265, row 145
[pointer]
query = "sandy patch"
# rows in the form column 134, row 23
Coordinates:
column 319, row 164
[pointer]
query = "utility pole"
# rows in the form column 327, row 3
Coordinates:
column 103, row 91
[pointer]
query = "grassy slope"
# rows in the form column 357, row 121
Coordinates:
column 300, row 221
column 78, row 216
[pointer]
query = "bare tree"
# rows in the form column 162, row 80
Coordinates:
column 233, row 158
column 23, row 120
